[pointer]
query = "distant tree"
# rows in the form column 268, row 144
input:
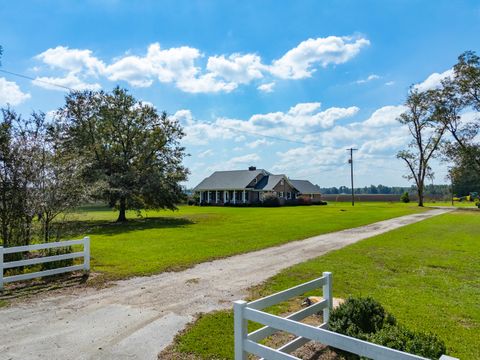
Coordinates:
column 426, row 137
column 405, row 197
column 130, row 149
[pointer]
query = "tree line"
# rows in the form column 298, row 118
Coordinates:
column 430, row 189
column 99, row 145
column 439, row 128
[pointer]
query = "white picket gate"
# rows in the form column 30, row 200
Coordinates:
column 39, row 260
column 248, row 343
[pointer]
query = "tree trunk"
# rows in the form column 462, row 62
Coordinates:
column 122, row 213
column 420, row 195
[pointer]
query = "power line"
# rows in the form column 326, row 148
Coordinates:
column 37, row 80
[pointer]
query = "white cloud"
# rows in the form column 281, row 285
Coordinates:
column 244, row 159
column 267, row 87
column 180, row 66
column 390, row 83
column 433, row 81
column 72, row 60
column 206, row 153
column 240, row 69
column 368, row 78
column 385, row 116
column 259, row 142
column 70, row 81
column 10, row 93
column 298, row 62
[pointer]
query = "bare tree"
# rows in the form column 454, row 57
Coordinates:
column 426, row 134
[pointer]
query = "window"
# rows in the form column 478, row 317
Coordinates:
column 280, row 194
column 281, row 182
column 289, row 195
column 255, row 180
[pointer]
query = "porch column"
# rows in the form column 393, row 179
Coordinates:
column 243, row 196
column 224, row 196
column 201, row 197
column 234, row 198
column 208, row 196
column 216, row 196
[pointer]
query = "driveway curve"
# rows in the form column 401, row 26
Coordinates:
column 137, row 318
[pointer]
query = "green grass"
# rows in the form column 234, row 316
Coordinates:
column 426, row 274
column 165, row 240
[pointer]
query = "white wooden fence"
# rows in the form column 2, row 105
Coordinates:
column 39, row 260
column 248, row 343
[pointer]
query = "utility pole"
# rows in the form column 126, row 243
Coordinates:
column 351, row 173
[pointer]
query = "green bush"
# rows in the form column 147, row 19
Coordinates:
column 58, row 263
column 271, row 200
column 405, row 197
column 418, row 343
column 366, row 319
column 359, row 317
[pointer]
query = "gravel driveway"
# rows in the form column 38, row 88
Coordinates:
column 137, row 318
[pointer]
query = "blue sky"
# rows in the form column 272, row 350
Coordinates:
column 325, row 74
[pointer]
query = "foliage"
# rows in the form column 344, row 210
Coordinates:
column 37, row 179
column 405, row 198
column 359, row 317
column 426, row 137
column 414, row 342
column 270, row 200
column 131, row 151
column 394, row 190
column 58, row 263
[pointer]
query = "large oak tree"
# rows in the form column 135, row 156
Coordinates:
column 132, row 152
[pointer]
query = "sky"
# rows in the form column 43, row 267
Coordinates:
column 286, row 86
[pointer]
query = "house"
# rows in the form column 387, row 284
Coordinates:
column 251, row 186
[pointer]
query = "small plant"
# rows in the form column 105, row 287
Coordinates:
column 359, row 317
column 366, row 319
column 405, row 198
column 400, row 338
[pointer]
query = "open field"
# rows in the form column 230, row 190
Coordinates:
column 426, row 274
column 165, row 240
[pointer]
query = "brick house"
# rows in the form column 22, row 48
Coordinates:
column 251, row 186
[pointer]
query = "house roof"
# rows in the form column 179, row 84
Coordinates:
column 305, row 187
column 268, row 182
column 229, row 180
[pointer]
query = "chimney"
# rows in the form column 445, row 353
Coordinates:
column 252, row 168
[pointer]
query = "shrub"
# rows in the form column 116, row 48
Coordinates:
column 58, row 263
column 418, row 343
column 271, row 200
column 359, row 317
column 304, row 200
column 405, row 197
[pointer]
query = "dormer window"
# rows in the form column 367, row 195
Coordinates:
column 255, row 180
column 281, row 182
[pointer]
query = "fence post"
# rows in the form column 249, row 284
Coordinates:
column 240, row 329
column 327, row 294
column 1, row 268
column 86, row 253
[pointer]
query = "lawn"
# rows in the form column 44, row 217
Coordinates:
column 426, row 274
column 165, row 240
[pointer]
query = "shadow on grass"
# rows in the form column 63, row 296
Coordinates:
column 75, row 228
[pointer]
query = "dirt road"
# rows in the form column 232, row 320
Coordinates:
column 137, row 318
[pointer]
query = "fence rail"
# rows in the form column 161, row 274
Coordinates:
column 40, row 260
column 248, row 343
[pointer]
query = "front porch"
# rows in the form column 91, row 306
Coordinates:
column 222, row 197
